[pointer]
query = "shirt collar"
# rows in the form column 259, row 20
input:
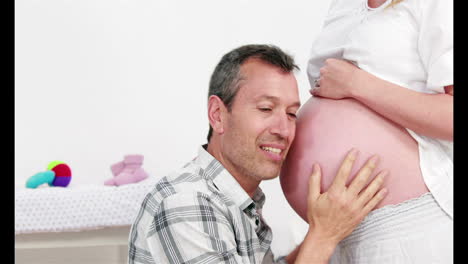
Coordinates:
column 226, row 183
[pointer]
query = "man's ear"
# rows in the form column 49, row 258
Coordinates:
column 216, row 110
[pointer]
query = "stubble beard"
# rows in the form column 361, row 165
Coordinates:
column 251, row 164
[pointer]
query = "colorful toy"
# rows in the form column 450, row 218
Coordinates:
column 58, row 174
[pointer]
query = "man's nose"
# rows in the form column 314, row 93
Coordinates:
column 283, row 126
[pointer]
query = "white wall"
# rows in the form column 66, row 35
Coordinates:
column 98, row 79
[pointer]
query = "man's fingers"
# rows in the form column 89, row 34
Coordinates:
column 367, row 194
column 345, row 169
column 375, row 200
column 363, row 175
column 314, row 182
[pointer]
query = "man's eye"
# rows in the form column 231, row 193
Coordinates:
column 265, row 109
column 293, row 115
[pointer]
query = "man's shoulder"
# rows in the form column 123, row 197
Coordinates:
column 187, row 186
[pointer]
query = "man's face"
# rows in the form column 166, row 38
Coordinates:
column 261, row 124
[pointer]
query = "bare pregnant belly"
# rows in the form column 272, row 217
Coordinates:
column 327, row 129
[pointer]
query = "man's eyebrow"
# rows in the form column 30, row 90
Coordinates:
column 276, row 99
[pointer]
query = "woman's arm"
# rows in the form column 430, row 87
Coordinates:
column 426, row 114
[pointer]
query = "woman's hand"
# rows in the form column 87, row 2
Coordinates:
column 337, row 79
column 427, row 114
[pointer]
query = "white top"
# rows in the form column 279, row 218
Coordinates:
column 409, row 44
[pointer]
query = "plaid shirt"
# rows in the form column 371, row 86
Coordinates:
column 200, row 214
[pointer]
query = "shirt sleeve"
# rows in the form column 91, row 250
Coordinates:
column 281, row 260
column 436, row 42
column 190, row 228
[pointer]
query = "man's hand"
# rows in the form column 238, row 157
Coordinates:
column 334, row 214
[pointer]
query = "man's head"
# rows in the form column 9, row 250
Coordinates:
column 252, row 103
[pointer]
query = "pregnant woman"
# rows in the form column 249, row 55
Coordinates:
column 382, row 81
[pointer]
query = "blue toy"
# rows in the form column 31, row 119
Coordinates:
column 40, row 178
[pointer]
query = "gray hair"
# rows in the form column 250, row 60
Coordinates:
column 225, row 79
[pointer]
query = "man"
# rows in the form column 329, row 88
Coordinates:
column 209, row 210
